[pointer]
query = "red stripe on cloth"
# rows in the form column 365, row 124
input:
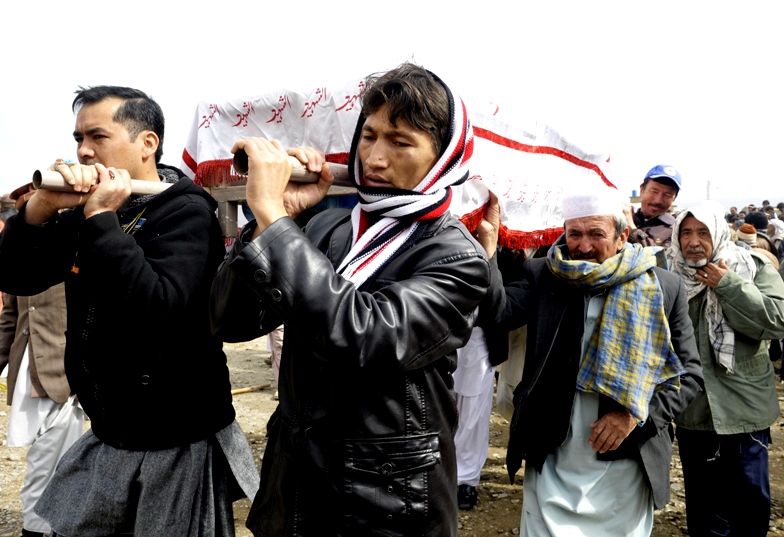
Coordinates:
column 188, row 160
column 370, row 258
column 544, row 150
column 441, row 209
column 458, row 149
column 363, row 224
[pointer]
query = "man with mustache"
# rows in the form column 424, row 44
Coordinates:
column 736, row 303
column 164, row 454
column 651, row 225
column 610, row 361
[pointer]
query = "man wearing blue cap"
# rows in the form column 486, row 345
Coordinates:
column 651, row 225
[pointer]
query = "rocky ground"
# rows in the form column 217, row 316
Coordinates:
column 498, row 510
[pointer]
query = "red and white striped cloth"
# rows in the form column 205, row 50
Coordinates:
column 528, row 167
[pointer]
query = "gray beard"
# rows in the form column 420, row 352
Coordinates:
column 697, row 264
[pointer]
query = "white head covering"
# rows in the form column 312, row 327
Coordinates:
column 738, row 260
column 603, row 203
column 778, row 229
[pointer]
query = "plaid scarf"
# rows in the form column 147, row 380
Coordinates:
column 738, row 260
column 629, row 354
column 386, row 219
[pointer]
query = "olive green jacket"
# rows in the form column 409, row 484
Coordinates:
column 743, row 401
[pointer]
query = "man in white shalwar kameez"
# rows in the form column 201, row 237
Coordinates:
column 610, row 361
column 474, row 379
column 43, row 414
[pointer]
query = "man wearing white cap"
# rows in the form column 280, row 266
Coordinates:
column 610, row 361
column 651, row 224
column 736, row 302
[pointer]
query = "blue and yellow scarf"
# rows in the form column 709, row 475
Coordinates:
column 629, row 353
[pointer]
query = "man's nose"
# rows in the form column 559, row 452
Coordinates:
column 585, row 246
column 377, row 157
column 85, row 151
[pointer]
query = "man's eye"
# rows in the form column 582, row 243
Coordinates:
column 402, row 144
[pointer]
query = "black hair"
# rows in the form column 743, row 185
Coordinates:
column 138, row 113
column 758, row 219
column 414, row 95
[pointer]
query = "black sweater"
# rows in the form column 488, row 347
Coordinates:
column 139, row 352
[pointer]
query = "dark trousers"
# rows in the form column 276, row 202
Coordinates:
column 726, row 482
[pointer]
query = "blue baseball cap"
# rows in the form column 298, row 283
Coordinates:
column 663, row 171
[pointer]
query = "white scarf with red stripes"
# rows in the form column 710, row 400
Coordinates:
column 400, row 215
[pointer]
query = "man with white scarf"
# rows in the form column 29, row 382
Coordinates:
column 736, row 303
column 376, row 301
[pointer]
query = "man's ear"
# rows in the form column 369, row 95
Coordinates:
column 625, row 234
column 150, row 141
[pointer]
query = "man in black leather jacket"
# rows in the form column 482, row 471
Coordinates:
column 375, row 303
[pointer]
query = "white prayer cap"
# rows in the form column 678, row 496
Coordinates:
column 606, row 202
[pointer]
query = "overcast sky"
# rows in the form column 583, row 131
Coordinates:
column 696, row 85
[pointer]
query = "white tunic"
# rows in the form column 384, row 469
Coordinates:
column 474, row 399
column 578, row 495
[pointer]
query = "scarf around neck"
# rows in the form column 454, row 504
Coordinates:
column 629, row 354
column 387, row 219
column 740, row 261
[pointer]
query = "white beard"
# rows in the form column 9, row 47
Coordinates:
column 697, row 264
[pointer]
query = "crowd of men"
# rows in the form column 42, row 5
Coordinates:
column 635, row 321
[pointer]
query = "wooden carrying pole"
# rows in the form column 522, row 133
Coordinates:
column 250, row 389
column 299, row 174
column 227, row 196
column 49, row 180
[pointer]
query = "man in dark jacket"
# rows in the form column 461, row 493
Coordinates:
column 375, row 302
column 651, row 225
column 139, row 352
column 610, row 361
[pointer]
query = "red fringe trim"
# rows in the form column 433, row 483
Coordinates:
column 216, row 172
column 474, row 218
column 510, row 238
column 517, row 240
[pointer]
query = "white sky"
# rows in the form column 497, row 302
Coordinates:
column 693, row 84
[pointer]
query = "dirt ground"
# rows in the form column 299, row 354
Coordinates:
column 500, row 504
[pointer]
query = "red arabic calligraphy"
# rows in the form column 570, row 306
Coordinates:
column 243, row 118
column 207, row 120
column 277, row 113
column 311, row 106
column 352, row 99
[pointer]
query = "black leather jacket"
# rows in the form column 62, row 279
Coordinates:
column 362, row 440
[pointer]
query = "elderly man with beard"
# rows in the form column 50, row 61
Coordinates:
column 610, row 361
column 736, row 303
column 376, row 301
